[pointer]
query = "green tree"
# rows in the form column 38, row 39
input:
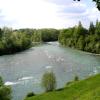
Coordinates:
column 97, row 29
column 49, row 81
column 81, row 38
column 49, row 35
column 81, row 43
column 91, row 28
column 97, row 3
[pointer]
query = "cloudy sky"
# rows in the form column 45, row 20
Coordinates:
column 47, row 13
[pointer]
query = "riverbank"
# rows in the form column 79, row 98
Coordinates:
column 88, row 89
column 85, row 52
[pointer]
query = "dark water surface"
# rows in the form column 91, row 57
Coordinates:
column 23, row 71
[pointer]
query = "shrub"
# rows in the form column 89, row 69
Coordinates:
column 1, row 81
column 49, row 81
column 5, row 91
column 60, row 89
column 76, row 78
column 30, row 94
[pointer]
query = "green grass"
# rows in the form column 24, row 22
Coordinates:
column 88, row 89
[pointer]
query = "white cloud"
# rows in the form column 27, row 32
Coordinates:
column 30, row 13
column 80, row 11
column 95, row 14
column 44, row 14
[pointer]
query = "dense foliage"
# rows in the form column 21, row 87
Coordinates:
column 5, row 91
column 41, row 35
column 30, row 94
column 81, row 38
column 12, row 41
column 97, row 3
column 49, row 34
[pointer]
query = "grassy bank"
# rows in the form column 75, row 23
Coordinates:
column 88, row 89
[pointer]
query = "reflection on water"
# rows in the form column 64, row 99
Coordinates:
column 23, row 71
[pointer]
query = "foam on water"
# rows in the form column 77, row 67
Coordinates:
column 95, row 71
column 48, row 55
column 48, row 67
column 11, row 83
column 19, row 81
column 25, row 78
column 59, row 59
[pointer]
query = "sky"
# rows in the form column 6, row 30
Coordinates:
column 47, row 13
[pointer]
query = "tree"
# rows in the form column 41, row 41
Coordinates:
column 80, row 43
column 97, row 30
column 81, row 38
column 97, row 3
column 49, row 81
column 49, row 34
column 91, row 28
column 0, row 33
column 79, row 30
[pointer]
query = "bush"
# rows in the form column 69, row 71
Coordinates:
column 60, row 89
column 76, row 78
column 30, row 94
column 5, row 91
column 1, row 82
column 49, row 81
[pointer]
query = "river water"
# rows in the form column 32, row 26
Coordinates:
column 24, row 70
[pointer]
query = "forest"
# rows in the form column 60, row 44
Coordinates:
column 12, row 41
column 81, row 38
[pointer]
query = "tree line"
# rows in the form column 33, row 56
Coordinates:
column 81, row 38
column 12, row 41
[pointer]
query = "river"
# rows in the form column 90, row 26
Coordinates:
column 24, row 70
